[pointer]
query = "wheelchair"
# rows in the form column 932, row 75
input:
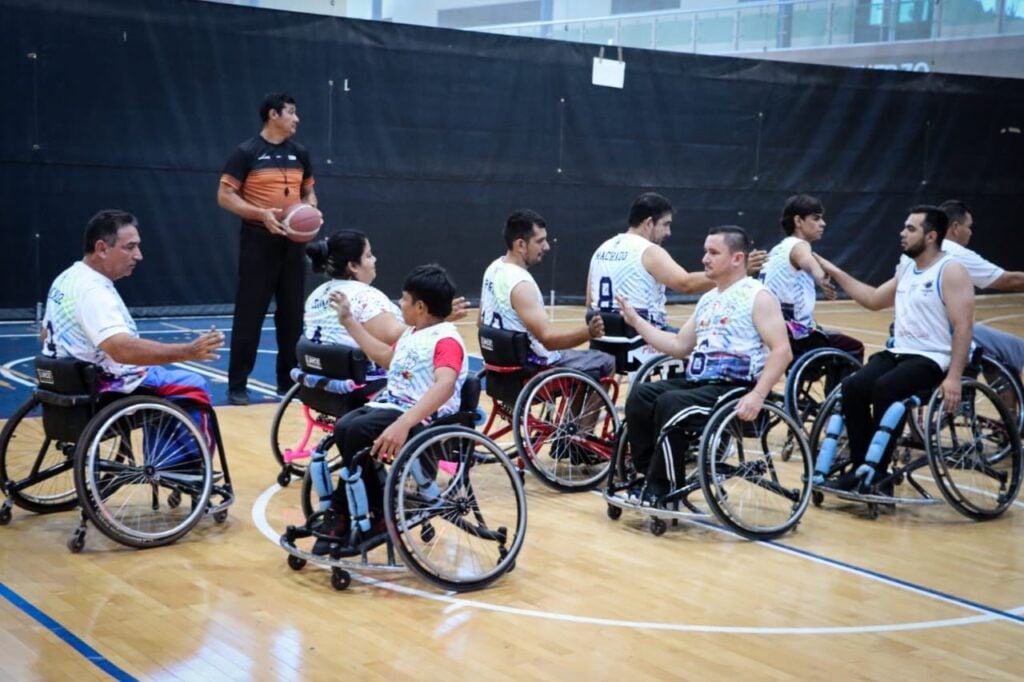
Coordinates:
column 810, row 379
column 754, row 476
column 329, row 381
column 973, row 454
column 562, row 421
column 455, row 509
column 136, row 465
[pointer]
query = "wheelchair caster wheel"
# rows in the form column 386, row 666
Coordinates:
column 872, row 511
column 284, row 478
column 817, row 497
column 427, row 533
column 5, row 516
column 658, row 526
column 76, row 542
column 296, row 563
column 340, row 579
column 221, row 516
column 174, row 499
column 614, row 512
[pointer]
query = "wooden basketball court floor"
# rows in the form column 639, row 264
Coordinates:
column 922, row 593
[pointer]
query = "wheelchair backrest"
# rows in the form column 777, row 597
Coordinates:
column 618, row 340
column 67, row 391
column 503, row 347
column 506, row 358
column 332, row 360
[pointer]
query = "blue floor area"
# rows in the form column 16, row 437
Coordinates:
column 19, row 344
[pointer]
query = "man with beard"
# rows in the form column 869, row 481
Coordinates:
column 934, row 301
column 510, row 299
column 634, row 265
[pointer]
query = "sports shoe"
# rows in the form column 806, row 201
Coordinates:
column 846, row 482
column 332, row 532
column 635, row 494
column 238, row 396
column 653, row 491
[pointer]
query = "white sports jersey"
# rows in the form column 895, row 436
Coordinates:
column 617, row 268
column 922, row 325
column 83, row 309
column 412, row 369
column 794, row 288
column 496, row 305
column 321, row 320
column 729, row 347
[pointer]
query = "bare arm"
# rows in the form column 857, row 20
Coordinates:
column 536, row 321
column 375, row 349
column 390, row 441
column 665, row 270
column 309, row 197
column 588, row 301
column 129, row 350
column 229, row 199
column 677, row 345
column 872, row 298
column 801, row 257
column 386, row 327
column 770, row 325
column 1009, row 281
column 958, row 292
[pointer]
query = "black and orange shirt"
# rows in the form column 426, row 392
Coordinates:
column 269, row 175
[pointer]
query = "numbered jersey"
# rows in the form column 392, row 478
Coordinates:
column 496, row 305
column 729, row 348
column 617, row 268
column 794, row 288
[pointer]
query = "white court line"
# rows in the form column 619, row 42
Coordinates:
column 259, row 518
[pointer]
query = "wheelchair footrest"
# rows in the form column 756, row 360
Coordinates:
column 287, row 542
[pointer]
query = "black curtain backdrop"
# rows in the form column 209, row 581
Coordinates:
column 427, row 138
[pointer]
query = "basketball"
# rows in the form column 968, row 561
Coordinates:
column 302, row 222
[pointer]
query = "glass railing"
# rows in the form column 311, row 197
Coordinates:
column 783, row 25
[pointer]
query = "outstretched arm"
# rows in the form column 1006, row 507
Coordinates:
column 1009, row 281
column 872, row 298
column 130, row 350
column 677, row 345
column 665, row 270
column 531, row 312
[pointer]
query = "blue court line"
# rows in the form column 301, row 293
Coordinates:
column 56, row 628
column 882, row 577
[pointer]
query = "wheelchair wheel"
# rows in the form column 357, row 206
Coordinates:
column 746, row 481
column 831, row 406
column 975, row 452
column 135, row 454
column 621, row 473
column 811, row 379
column 34, row 469
column 457, row 510
column 657, row 368
column 1007, row 386
column 564, row 424
column 297, row 428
